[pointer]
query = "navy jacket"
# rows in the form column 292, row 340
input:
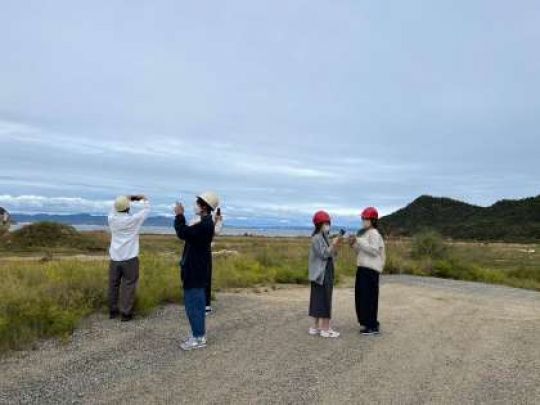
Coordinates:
column 197, row 256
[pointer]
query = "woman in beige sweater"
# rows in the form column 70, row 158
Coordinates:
column 370, row 248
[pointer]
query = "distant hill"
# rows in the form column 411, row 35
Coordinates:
column 506, row 220
column 83, row 219
column 157, row 221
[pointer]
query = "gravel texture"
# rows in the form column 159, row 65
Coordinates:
column 443, row 342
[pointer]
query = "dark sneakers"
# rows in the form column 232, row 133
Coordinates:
column 123, row 317
column 370, row 331
column 126, row 318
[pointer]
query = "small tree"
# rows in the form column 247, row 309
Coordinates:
column 429, row 244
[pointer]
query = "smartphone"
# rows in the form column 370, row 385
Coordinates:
column 218, row 212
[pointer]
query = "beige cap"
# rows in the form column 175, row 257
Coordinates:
column 210, row 198
column 121, row 203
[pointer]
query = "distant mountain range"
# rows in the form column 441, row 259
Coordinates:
column 157, row 221
column 506, row 220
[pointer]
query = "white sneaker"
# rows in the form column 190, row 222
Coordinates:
column 314, row 331
column 193, row 343
column 209, row 310
column 330, row 333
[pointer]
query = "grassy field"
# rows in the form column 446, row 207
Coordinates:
column 48, row 297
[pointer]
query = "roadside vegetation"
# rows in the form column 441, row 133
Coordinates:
column 42, row 296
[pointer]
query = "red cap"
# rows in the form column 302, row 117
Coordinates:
column 370, row 213
column 321, row 217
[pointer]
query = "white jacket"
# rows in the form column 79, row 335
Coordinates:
column 371, row 250
column 125, row 230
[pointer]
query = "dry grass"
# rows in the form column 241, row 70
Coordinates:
column 49, row 298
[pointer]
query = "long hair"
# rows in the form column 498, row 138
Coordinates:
column 317, row 229
column 376, row 225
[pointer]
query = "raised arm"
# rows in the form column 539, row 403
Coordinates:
column 188, row 233
column 141, row 216
column 218, row 227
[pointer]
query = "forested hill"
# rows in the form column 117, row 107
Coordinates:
column 506, row 220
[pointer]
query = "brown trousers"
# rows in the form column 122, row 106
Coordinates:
column 123, row 279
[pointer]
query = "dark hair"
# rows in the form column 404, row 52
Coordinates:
column 201, row 203
column 317, row 229
column 375, row 224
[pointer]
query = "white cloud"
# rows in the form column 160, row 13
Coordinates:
column 53, row 205
column 259, row 166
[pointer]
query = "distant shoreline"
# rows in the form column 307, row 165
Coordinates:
column 227, row 231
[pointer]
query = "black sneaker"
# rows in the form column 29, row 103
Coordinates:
column 126, row 318
column 369, row 331
column 113, row 314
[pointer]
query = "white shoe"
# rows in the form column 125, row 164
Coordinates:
column 193, row 343
column 209, row 310
column 314, row 331
column 330, row 333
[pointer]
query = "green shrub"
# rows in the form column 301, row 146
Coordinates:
column 525, row 274
column 428, row 244
column 396, row 265
column 53, row 235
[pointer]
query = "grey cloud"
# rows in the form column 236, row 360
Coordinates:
column 281, row 107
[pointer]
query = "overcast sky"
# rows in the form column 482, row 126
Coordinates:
column 282, row 107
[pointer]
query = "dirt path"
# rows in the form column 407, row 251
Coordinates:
column 443, row 342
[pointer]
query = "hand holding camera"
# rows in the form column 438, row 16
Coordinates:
column 137, row 197
column 219, row 217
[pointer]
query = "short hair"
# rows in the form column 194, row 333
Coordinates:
column 204, row 205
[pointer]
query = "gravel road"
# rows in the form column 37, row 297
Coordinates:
column 443, row 342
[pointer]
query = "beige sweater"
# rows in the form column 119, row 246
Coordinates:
column 371, row 251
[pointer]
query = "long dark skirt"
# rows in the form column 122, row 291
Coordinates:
column 366, row 294
column 320, row 303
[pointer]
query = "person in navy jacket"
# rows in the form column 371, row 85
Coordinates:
column 196, row 263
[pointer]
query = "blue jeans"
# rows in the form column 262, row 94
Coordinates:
column 195, row 302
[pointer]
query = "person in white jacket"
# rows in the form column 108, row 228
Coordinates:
column 124, row 252
column 371, row 258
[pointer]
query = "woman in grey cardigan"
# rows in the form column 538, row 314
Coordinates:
column 321, row 275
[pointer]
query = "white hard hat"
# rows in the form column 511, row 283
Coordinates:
column 121, row 203
column 210, row 198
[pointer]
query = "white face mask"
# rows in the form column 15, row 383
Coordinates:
column 197, row 210
column 326, row 228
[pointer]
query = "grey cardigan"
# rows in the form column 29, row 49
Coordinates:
column 319, row 254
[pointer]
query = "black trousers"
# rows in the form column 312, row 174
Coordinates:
column 366, row 296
